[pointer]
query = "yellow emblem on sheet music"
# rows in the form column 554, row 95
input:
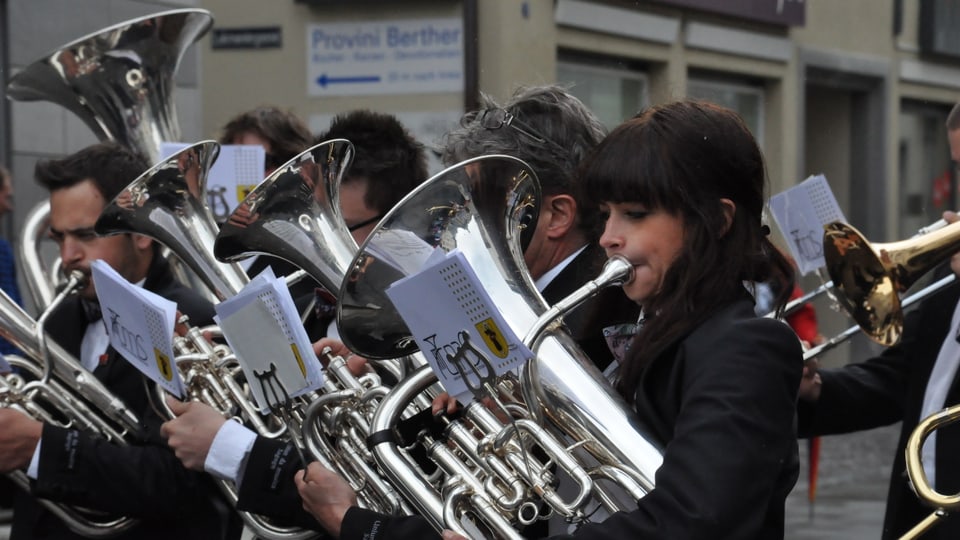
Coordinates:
column 243, row 190
column 163, row 364
column 296, row 354
column 493, row 337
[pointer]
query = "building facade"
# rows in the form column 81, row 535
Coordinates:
column 856, row 90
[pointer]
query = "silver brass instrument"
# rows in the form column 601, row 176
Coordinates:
column 479, row 207
column 869, row 278
column 59, row 391
column 295, row 214
column 168, row 203
column 119, row 81
column 942, row 504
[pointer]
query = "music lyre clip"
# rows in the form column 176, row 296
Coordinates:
column 278, row 401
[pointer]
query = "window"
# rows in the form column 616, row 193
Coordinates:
column 747, row 100
column 613, row 94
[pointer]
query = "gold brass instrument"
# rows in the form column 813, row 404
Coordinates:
column 479, row 207
column 869, row 278
column 826, row 288
column 59, row 391
column 942, row 504
column 119, row 81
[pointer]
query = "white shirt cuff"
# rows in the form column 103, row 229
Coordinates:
column 229, row 451
column 33, row 470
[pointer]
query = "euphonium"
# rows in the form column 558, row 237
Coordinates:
column 480, row 207
column 61, row 392
column 168, row 203
column 119, row 81
column 295, row 214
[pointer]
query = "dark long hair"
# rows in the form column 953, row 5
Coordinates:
column 682, row 158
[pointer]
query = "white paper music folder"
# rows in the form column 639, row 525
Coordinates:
column 140, row 326
column 263, row 329
column 457, row 326
column 800, row 213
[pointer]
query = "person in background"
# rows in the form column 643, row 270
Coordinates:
column 905, row 383
column 141, row 479
column 283, row 135
column 8, row 265
column 681, row 188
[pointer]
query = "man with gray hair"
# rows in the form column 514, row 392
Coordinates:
column 552, row 131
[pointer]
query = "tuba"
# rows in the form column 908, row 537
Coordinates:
column 482, row 208
column 119, row 82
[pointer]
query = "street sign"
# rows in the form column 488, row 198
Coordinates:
column 413, row 56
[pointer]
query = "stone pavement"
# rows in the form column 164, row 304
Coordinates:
column 851, row 488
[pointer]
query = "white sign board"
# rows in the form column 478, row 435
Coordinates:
column 413, row 56
column 800, row 213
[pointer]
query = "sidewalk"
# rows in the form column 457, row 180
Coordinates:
column 851, row 488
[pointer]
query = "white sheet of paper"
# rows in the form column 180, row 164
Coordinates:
column 452, row 317
column 140, row 326
column 237, row 170
column 800, row 213
column 263, row 328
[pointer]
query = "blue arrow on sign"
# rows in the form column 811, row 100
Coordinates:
column 323, row 80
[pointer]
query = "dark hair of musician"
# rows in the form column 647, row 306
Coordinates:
column 683, row 157
column 550, row 112
column 4, row 176
column 287, row 134
column 110, row 165
column 387, row 156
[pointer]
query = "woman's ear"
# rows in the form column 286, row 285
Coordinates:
column 729, row 209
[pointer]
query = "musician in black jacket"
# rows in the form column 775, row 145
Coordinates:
column 143, row 480
column 388, row 164
column 681, row 187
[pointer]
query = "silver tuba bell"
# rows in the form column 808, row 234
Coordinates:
column 167, row 203
column 481, row 207
column 119, row 81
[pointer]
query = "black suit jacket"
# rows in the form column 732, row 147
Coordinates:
column 889, row 389
column 723, row 403
column 143, row 480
